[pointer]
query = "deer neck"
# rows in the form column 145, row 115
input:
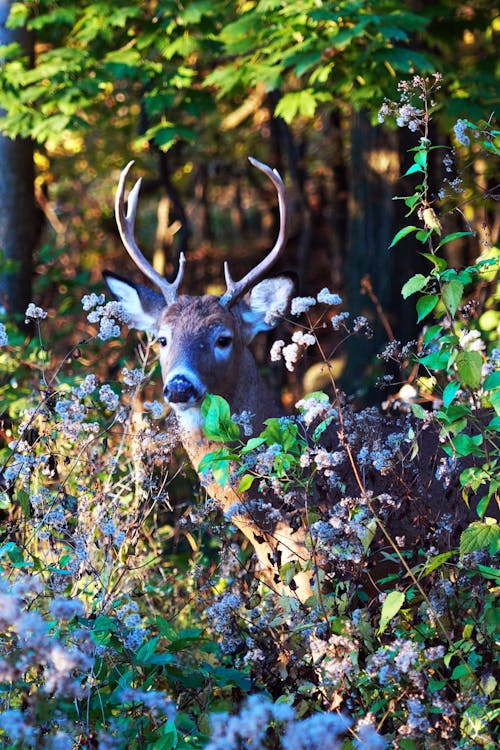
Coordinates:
column 279, row 544
column 250, row 394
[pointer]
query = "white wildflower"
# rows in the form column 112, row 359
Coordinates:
column 291, row 355
column 460, row 127
column 276, row 350
column 87, row 387
column 338, row 321
column 34, row 313
column 92, row 300
column 4, row 339
column 132, row 377
column 471, row 341
column 108, row 397
column 327, row 298
column 303, row 339
column 301, row 305
column 155, row 408
column 65, row 609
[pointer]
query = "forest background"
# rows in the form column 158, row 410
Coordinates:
column 189, row 91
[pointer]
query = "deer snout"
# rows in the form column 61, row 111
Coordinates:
column 180, row 390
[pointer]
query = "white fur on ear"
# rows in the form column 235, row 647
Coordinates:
column 129, row 296
column 267, row 304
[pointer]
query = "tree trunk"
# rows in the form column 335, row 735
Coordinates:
column 373, row 171
column 18, row 216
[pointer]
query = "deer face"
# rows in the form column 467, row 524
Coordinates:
column 202, row 342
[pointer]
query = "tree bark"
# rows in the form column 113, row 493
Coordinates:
column 18, row 216
column 373, row 171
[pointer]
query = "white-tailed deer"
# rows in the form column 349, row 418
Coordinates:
column 204, row 349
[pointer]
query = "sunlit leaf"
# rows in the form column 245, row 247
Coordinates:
column 391, row 606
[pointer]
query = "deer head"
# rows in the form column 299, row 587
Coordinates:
column 203, row 340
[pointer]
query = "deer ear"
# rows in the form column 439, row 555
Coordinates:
column 142, row 304
column 267, row 303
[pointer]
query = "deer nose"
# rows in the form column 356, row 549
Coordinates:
column 180, row 390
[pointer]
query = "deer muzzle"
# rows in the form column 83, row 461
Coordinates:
column 180, row 390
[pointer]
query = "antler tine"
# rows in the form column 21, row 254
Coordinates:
column 126, row 222
column 236, row 289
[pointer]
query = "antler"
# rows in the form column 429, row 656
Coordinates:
column 236, row 289
column 125, row 222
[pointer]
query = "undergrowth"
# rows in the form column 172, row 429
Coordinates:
column 130, row 613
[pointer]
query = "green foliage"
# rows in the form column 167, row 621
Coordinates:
column 455, row 364
column 391, row 606
column 93, row 647
column 86, row 493
column 106, row 61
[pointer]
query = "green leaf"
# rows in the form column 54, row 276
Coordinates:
column 469, row 365
column 453, row 236
column 483, row 504
column 480, row 535
column 415, row 284
column 435, row 360
column 419, row 411
column 391, row 606
column 493, row 574
column 420, row 158
column 219, row 463
column 23, row 499
column 14, row 553
column 452, row 294
column 413, row 169
column 296, row 103
column 439, row 263
column 432, row 332
column 426, row 305
column 461, row 670
column 422, row 235
column 434, row 563
column 246, row 482
column 492, row 381
column 218, row 424
column 474, row 477
column 450, row 392
column 411, row 201
column 402, row 233
column 494, row 399
column 465, row 445
column 252, row 444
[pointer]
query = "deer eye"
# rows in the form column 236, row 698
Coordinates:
column 162, row 340
column 224, row 341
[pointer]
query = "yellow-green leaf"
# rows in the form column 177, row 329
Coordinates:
column 391, row 606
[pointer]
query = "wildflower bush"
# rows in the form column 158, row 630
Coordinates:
column 131, row 614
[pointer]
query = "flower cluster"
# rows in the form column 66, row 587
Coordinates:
column 34, row 313
column 4, row 339
column 291, row 353
column 260, row 723
column 28, row 644
column 342, row 538
column 411, row 109
column 334, row 659
column 223, row 616
column 301, row 305
column 107, row 315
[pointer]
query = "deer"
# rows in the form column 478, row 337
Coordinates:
column 204, row 348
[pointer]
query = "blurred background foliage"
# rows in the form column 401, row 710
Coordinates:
column 189, row 90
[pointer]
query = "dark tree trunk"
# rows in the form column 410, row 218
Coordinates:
column 373, row 171
column 18, row 214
